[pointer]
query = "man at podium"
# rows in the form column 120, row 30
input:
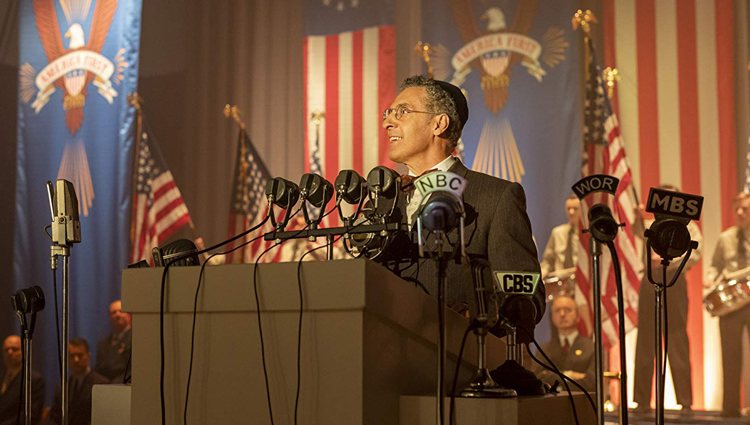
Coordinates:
column 424, row 124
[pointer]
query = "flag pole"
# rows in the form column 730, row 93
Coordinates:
column 136, row 101
column 584, row 19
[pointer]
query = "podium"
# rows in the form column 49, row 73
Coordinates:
column 368, row 337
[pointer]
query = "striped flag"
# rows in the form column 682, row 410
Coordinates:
column 605, row 154
column 349, row 81
column 158, row 209
column 676, row 106
column 248, row 203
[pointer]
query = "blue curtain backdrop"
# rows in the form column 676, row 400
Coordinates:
column 79, row 63
column 518, row 62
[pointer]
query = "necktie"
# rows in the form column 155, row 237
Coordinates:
column 566, row 345
column 568, row 260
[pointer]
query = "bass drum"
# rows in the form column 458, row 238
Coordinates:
column 728, row 297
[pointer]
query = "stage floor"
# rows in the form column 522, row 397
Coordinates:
column 675, row 417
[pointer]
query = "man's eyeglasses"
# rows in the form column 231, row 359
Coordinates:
column 400, row 111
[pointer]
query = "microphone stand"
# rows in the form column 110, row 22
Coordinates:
column 442, row 346
column 61, row 247
column 64, row 252
column 596, row 252
column 659, row 330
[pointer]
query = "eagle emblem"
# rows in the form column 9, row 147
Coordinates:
column 71, row 69
column 492, row 50
column 74, row 63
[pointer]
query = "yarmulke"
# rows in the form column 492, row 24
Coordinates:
column 458, row 98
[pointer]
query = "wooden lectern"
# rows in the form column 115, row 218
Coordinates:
column 368, row 337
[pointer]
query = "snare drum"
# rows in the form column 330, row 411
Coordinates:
column 561, row 282
column 727, row 297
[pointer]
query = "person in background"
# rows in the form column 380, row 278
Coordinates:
column 560, row 252
column 570, row 351
column 732, row 256
column 113, row 351
column 10, row 385
column 80, row 384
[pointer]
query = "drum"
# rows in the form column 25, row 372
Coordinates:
column 727, row 297
column 560, row 282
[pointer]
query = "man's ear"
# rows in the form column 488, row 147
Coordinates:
column 440, row 125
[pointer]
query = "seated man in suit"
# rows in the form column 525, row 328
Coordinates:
column 424, row 123
column 10, row 385
column 571, row 352
column 80, row 383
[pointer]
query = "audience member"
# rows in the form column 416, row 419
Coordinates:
column 113, row 351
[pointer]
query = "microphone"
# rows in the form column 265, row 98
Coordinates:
column 350, row 187
column 282, row 192
column 517, row 303
column 442, row 208
column 519, row 309
column 480, row 267
column 602, row 224
column 482, row 385
column 317, row 191
column 185, row 249
column 29, row 300
column 670, row 238
column 66, row 223
column 668, row 235
column 383, row 187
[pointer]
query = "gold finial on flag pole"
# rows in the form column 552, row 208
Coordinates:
column 611, row 77
column 425, row 50
column 316, row 117
column 135, row 100
column 583, row 19
column 233, row 111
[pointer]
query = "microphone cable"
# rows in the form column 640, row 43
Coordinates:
column 57, row 313
column 452, row 408
column 301, row 311
column 621, row 331
column 195, row 314
column 161, row 306
column 554, row 369
column 259, row 318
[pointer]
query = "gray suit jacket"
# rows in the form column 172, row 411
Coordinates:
column 497, row 228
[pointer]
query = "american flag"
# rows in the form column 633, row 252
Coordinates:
column 248, row 202
column 158, row 209
column 676, row 106
column 604, row 153
column 349, row 80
